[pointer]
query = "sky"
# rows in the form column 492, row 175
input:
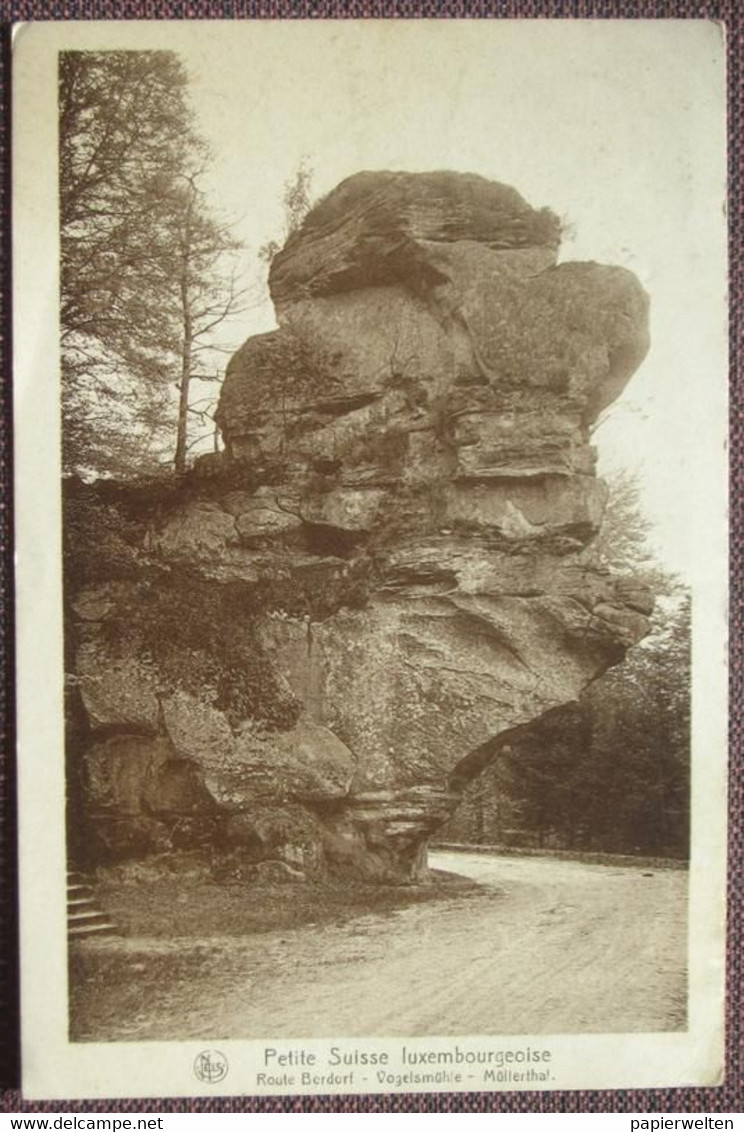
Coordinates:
column 618, row 126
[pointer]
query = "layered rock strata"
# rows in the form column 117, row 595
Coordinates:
column 389, row 569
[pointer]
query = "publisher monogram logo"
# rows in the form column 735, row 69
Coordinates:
column 210, row 1066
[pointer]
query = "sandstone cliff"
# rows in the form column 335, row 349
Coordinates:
column 304, row 654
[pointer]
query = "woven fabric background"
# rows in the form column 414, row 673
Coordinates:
column 727, row 1098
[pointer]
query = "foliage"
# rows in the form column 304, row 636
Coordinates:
column 141, row 271
column 623, row 542
column 640, row 720
column 296, row 202
column 194, row 634
column 101, row 538
column 612, row 773
column 122, row 115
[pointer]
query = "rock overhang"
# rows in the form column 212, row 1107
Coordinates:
column 419, row 493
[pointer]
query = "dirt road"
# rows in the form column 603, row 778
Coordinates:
column 544, row 946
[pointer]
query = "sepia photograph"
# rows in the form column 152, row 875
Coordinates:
column 372, row 554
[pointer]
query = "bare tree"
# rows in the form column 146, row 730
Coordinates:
column 205, row 273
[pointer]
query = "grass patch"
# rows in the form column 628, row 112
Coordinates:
column 168, row 909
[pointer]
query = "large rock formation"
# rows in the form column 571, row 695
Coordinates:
column 325, row 635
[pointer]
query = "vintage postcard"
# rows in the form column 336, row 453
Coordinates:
column 370, row 401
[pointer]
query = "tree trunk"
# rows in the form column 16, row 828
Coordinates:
column 183, row 399
column 186, row 347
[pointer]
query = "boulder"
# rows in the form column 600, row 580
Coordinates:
column 307, row 761
column 367, row 232
column 141, row 799
column 397, row 532
column 194, row 531
column 116, row 684
column 288, row 833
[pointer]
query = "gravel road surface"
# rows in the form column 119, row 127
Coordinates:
column 543, row 946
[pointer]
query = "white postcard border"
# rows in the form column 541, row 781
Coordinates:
column 52, row 1066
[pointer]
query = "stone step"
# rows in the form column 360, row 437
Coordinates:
column 84, row 916
column 85, row 931
column 88, row 915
